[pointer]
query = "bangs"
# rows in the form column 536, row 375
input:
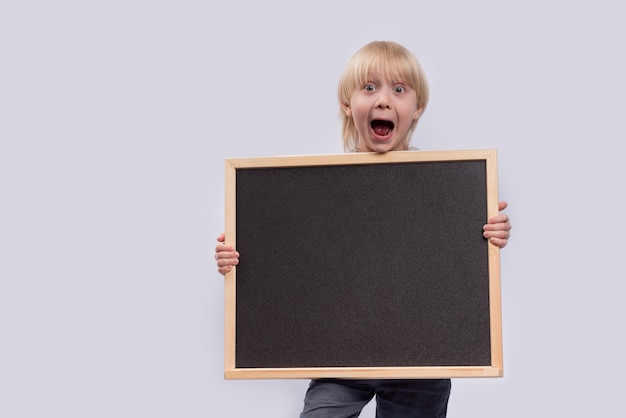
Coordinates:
column 395, row 69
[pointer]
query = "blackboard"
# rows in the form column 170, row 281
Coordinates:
column 363, row 265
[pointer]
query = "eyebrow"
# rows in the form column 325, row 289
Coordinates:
column 376, row 80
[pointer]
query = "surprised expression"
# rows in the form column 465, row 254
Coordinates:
column 383, row 111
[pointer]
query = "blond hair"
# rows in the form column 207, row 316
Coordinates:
column 391, row 60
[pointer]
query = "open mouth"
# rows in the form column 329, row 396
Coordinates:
column 382, row 127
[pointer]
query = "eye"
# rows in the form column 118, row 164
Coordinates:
column 399, row 89
column 369, row 87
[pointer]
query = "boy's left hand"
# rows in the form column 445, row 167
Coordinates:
column 497, row 228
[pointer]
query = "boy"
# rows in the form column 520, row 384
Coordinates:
column 382, row 94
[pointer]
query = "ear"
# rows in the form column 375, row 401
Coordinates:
column 417, row 113
column 347, row 110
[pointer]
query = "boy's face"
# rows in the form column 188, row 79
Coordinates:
column 383, row 111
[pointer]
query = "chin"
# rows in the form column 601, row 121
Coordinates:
column 387, row 146
column 381, row 146
column 381, row 149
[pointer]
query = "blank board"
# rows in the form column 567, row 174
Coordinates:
column 363, row 266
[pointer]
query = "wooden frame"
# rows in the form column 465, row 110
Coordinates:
column 492, row 367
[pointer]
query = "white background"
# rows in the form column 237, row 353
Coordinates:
column 115, row 120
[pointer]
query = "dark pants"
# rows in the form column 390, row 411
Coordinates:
column 338, row 398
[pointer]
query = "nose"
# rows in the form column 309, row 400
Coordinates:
column 383, row 100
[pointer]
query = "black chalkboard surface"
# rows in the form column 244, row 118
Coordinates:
column 363, row 265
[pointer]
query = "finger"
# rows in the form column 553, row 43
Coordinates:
column 499, row 219
column 503, row 233
column 221, row 237
column 497, row 227
column 225, row 253
column 222, row 246
column 502, row 205
column 224, row 265
column 225, row 269
column 223, row 262
column 497, row 235
column 500, row 242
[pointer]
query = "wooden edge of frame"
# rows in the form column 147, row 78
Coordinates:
column 230, row 277
column 495, row 305
column 365, row 372
column 360, row 158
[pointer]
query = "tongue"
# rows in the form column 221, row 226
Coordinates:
column 381, row 127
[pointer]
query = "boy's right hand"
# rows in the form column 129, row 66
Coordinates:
column 225, row 255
